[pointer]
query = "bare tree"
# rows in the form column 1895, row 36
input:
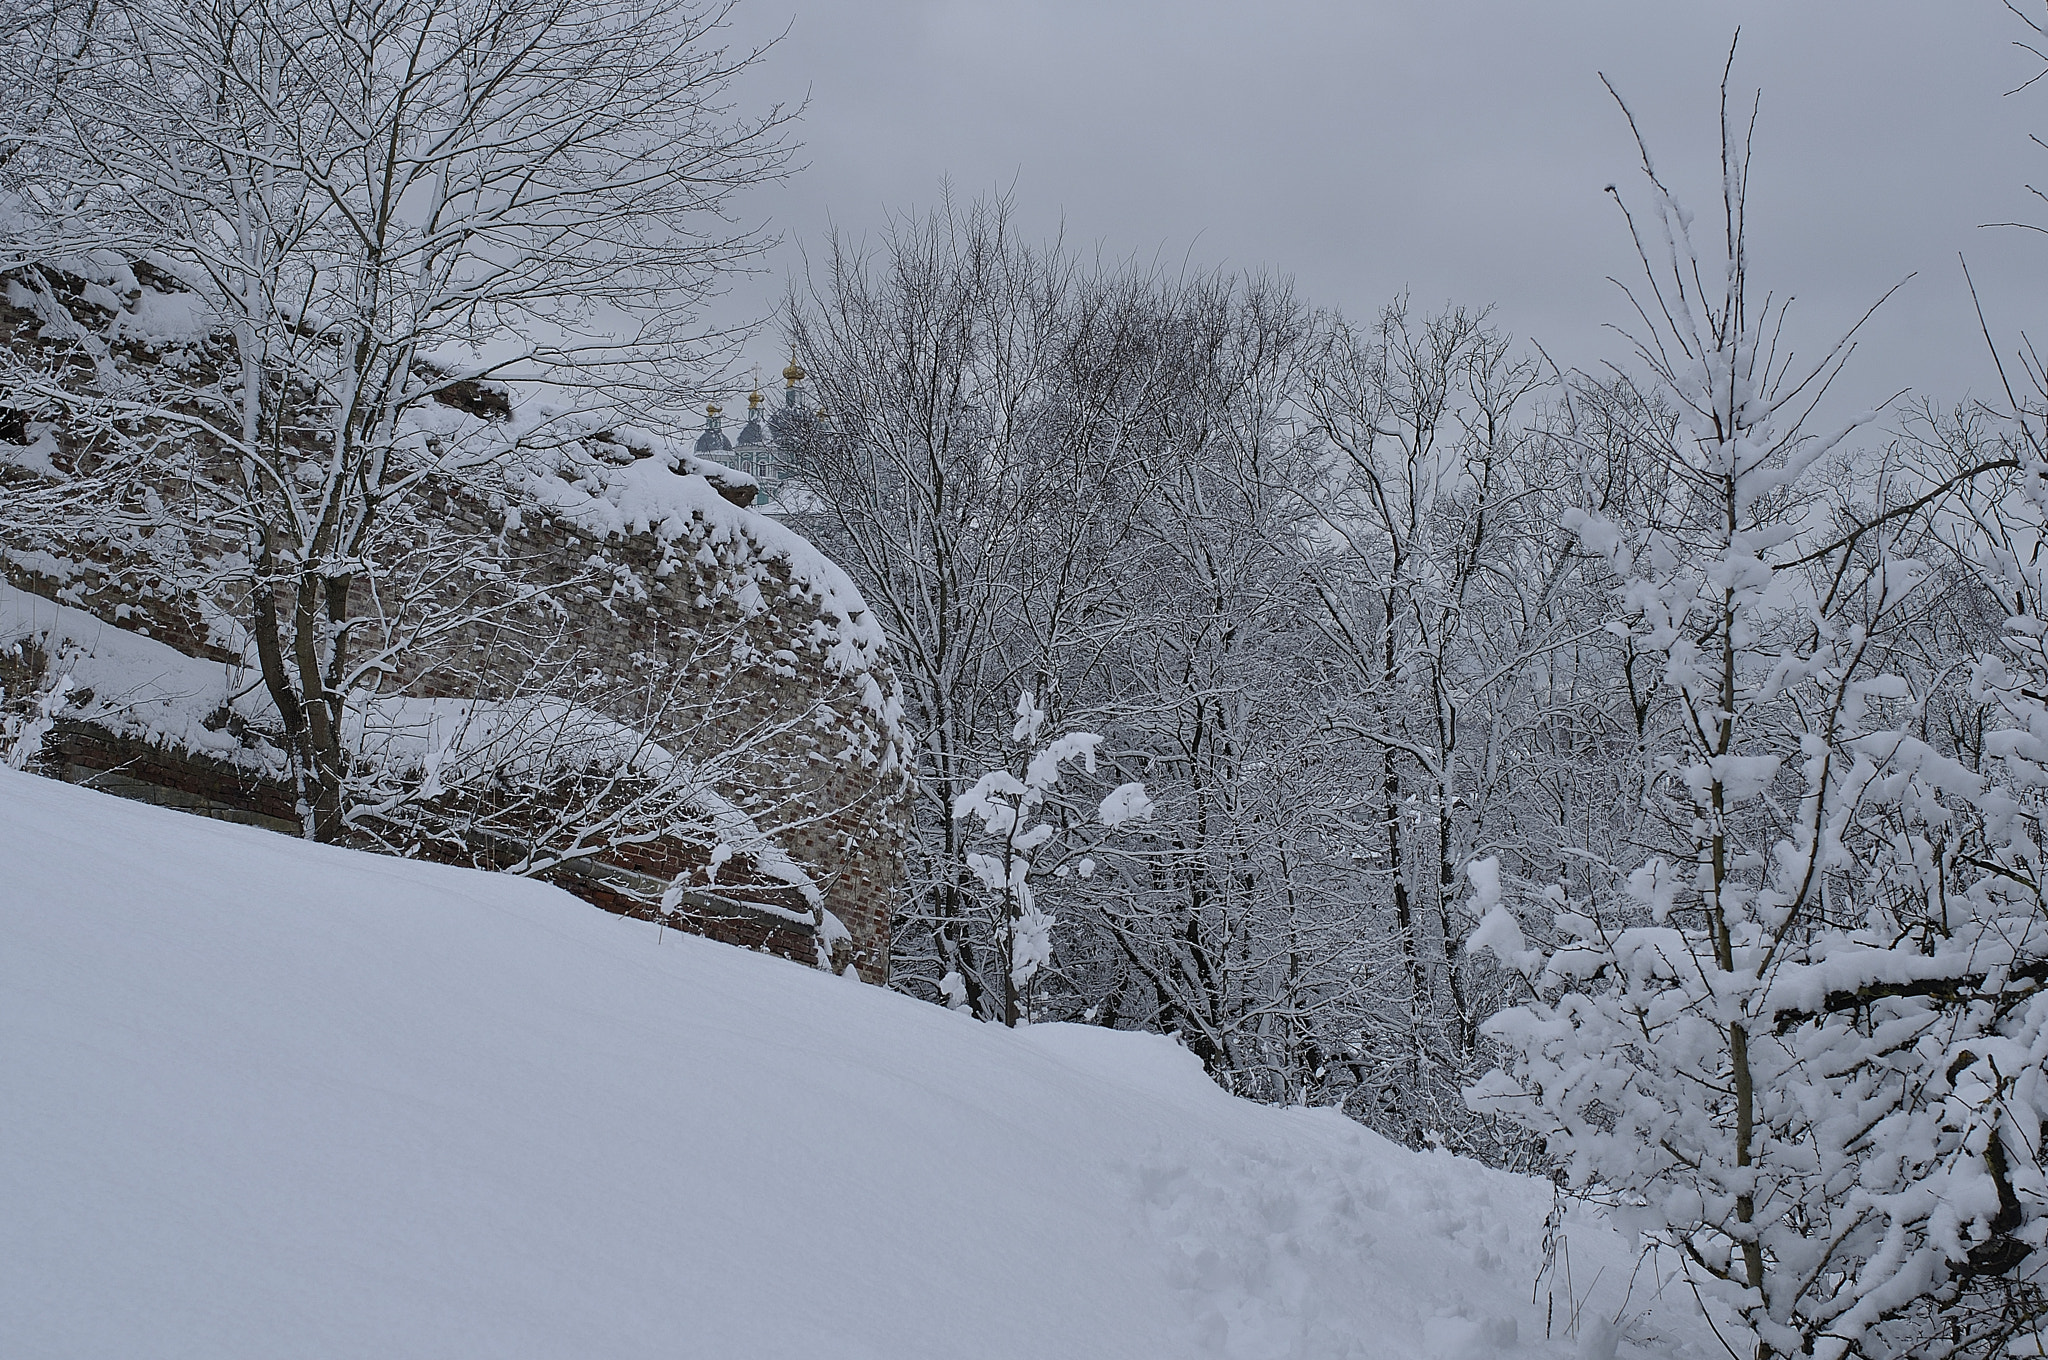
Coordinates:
column 346, row 218
column 968, row 496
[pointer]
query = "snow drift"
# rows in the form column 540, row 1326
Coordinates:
column 265, row 1099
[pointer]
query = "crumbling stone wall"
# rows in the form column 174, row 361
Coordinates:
column 758, row 674
column 816, row 772
column 812, row 775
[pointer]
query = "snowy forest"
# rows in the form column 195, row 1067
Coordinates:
column 1630, row 772
column 1616, row 773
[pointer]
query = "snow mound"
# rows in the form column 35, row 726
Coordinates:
column 266, row 1098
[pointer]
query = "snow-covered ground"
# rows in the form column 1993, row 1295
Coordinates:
column 266, row 1099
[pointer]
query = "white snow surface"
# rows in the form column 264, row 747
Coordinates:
column 271, row 1099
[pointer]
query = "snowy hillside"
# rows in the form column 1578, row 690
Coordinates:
column 268, row 1099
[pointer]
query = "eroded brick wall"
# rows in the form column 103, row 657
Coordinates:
column 816, row 771
column 617, row 619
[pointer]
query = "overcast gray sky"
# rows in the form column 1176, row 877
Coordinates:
column 1456, row 148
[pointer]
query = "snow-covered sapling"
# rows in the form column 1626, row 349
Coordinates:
column 1807, row 1043
column 22, row 737
column 1004, row 801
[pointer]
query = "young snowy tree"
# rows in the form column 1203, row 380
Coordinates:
column 1804, row 1042
column 1004, row 801
column 355, row 214
column 21, row 734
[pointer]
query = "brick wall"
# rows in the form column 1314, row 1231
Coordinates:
column 647, row 628
column 812, row 751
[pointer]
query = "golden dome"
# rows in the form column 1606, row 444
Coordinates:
column 754, row 400
column 713, row 409
column 794, row 374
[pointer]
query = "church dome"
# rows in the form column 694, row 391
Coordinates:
column 753, row 436
column 712, row 440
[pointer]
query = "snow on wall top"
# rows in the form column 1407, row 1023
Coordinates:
column 140, row 687
column 669, row 493
column 672, row 500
